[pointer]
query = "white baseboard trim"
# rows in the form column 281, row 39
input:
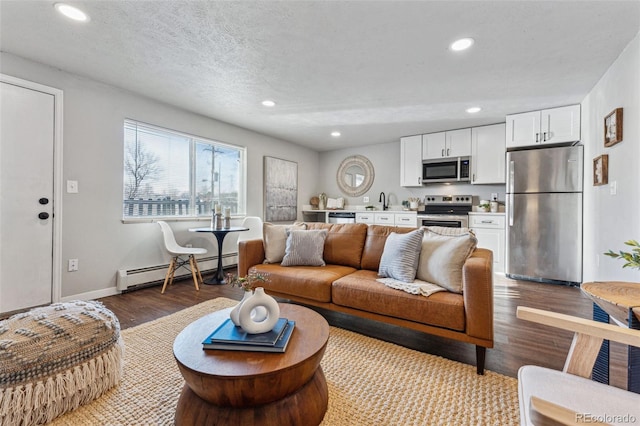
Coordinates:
column 92, row 295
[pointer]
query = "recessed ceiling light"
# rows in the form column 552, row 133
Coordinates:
column 462, row 44
column 335, row 134
column 71, row 12
column 268, row 103
column 473, row 110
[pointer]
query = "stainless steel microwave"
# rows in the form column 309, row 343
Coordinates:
column 446, row 170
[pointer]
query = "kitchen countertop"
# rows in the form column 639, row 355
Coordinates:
column 358, row 211
column 488, row 213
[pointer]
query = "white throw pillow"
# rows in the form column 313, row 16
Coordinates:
column 305, row 248
column 400, row 256
column 274, row 238
column 443, row 256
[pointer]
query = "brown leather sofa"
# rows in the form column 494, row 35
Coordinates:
column 348, row 284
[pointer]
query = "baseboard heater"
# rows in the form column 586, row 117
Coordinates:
column 134, row 279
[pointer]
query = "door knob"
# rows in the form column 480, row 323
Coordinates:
column 43, row 215
column 43, row 201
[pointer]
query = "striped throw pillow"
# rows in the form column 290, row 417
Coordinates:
column 305, row 248
column 400, row 256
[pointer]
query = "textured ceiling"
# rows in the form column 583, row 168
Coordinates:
column 373, row 70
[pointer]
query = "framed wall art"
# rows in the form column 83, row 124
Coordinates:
column 613, row 127
column 280, row 190
column 601, row 170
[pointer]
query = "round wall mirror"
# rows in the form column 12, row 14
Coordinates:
column 355, row 175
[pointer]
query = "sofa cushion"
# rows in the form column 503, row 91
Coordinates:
column 374, row 244
column 442, row 258
column 310, row 282
column 275, row 238
column 400, row 256
column 344, row 242
column 360, row 290
column 304, row 248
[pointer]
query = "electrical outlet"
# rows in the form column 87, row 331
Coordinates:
column 365, row 199
column 72, row 187
column 494, row 196
column 73, row 265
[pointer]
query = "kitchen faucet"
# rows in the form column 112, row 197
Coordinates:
column 383, row 199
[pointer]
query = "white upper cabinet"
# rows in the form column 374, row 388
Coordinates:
column 459, row 143
column 433, row 145
column 411, row 161
column 548, row 126
column 488, row 154
column 560, row 124
column 453, row 143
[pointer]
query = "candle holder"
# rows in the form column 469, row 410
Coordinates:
column 227, row 222
column 218, row 220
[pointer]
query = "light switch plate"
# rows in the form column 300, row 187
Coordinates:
column 73, row 265
column 72, row 187
column 365, row 199
column 613, row 188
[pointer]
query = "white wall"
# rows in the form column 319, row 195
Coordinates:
column 386, row 162
column 92, row 230
column 609, row 220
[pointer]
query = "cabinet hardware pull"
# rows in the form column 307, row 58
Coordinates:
column 442, row 155
column 486, row 221
column 448, row 150
column 544, row 136
column 537, row 137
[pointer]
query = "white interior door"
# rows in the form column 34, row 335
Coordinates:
column 26, row 205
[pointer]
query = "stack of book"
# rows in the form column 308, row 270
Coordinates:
column 230, row 337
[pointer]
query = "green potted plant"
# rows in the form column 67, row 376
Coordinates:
column 632, row 258
column 484, row 207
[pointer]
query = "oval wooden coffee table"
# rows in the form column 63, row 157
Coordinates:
column 257, row 388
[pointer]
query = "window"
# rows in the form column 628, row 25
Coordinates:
column 171, row 174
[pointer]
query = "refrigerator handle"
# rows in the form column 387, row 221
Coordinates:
column 510, row 208
column 512, row 168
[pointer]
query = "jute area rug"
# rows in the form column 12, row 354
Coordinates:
column 371, row 382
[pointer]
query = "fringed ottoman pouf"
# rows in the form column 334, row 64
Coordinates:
column 56, row 358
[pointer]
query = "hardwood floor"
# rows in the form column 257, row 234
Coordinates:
column 517, row 342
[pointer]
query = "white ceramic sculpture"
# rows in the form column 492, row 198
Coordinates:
column 259, row 313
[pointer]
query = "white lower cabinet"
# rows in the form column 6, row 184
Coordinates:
column 384, row 219
column 364, row 218
column 408, row 220
column 490, row 231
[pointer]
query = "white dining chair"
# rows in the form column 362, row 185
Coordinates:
column 178, row 259
column 254, row 223
column 568, row 397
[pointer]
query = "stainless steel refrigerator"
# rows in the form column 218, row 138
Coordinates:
column 544, row 215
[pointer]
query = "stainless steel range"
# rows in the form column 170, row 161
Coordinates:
column 446, row 210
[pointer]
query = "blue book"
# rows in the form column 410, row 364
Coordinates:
column 280, row 345
column 229, row 333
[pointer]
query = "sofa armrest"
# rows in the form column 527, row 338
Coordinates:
column 477, row 287
column 250, row 253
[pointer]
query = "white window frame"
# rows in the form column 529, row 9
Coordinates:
column 193, row 140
